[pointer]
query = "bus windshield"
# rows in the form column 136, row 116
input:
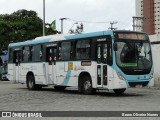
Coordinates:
column 134, row 56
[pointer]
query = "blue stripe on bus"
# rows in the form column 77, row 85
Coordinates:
column 68, row 37
column 66, row 80
column 29, row 42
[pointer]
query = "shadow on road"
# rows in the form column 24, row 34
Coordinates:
column 104, row 93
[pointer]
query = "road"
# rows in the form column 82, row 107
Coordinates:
column 16, row 97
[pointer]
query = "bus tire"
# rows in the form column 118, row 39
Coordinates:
column 119, row 91
column 31, row 82
column 80, row 89
column 87, row 86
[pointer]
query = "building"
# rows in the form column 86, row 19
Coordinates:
column 148, row 20
column 149, row 11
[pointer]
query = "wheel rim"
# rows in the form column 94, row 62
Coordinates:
column 87, row 85
column 30, row 82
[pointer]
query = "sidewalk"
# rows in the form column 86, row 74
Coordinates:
column 5, row 82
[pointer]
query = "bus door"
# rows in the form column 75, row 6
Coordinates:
column 101, row 55
column 17, row 60
column 51, row 59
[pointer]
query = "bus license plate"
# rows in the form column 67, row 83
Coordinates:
column 138, row 86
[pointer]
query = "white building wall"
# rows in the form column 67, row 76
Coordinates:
column 139, row 13
column 153, row 38
column 156, row 58
column 157, row 15
column 139, row 4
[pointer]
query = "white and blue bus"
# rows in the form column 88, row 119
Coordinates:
column 113, row 60
column 3, row 65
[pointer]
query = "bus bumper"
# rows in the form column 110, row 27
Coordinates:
column 151, row 83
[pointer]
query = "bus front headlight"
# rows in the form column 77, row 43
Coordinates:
column 151, row 75
column 120, row 76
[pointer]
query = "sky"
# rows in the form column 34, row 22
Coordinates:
column 96, row 15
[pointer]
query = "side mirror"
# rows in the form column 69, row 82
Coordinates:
column 115, row 46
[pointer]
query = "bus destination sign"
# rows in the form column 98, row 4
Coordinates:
column 132, row 36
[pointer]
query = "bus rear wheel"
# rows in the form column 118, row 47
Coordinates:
column 119, row 91
column 87, row 86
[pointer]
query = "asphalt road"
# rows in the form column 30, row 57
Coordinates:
column 16, row 97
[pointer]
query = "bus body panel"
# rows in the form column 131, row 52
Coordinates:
column 67, row 72
column 11, row 72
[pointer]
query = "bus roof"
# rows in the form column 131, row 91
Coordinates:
column 58, row 37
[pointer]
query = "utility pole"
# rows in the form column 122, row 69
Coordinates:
column 112, row 28
column 135, row 25
column 62, row 24
column 43, row 17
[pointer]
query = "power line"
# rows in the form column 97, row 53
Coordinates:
column 83, row 21
column 112, row 23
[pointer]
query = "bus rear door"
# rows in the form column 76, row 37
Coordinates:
column 101, row 49
column 17, row 60
column 51, row 59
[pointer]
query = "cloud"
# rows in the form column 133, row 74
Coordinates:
column 86, row 10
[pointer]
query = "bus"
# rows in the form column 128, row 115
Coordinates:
column 112, row 60
column 3, row 65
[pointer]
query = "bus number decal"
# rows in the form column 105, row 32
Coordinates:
column 86, row 63
column 70, row 66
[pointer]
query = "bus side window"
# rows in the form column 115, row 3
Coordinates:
column 83, row 49
column 10, row 55
column 49, row 53
column 41, row 52
column 23, row 53
column 72, row 51
column 66, row 50
column 36, row 53
column 59, row 52
column 30, row 55
column 17, row 56
column 26, row 54
column 109, row 53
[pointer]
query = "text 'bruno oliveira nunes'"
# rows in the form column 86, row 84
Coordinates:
column 80, row 114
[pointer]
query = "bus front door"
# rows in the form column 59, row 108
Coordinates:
column 16, row 60
column 51, row 58
column 101, row 54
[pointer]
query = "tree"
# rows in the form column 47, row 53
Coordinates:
column 20, row 26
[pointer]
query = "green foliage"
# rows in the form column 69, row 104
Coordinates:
column 20, row 26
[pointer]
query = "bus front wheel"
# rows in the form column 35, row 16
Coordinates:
column 87, row 86
column 31, row 83
column 119, row 91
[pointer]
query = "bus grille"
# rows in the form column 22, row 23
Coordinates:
column 133, row 84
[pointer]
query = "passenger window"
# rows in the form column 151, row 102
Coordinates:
column 83, row 49
column 36, row 53
column 10, row 55
column 31, row 49
column 25, row 54
column 66, row 50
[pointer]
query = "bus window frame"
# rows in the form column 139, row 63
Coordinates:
column 75, row 48
column 108, row 40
